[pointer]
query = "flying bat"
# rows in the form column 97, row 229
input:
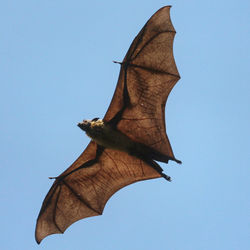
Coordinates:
column 127, row 143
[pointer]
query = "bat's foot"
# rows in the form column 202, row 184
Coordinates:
column 168, row 178
column 178, row 161
column 158, row 168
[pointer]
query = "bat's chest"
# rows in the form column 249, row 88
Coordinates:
column 109, row 138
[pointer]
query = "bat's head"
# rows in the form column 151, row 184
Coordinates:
column 84, row 125
column 87, row 125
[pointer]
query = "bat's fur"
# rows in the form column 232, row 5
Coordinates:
column 105, row 136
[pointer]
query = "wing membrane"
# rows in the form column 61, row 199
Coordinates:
column 149, row 73
column 85, row 192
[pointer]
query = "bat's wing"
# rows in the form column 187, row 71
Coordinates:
column 148, row 74
column 84, row 193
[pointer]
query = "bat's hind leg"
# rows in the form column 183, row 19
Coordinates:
column 161, row 157
column 148, row 158
column 168, row 178
column 157, row 167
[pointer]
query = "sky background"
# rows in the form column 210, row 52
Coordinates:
column 56, row 69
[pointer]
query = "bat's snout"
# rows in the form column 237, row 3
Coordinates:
column 84, row 125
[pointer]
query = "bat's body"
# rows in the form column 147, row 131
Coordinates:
column 106, row 136
column 128, row 141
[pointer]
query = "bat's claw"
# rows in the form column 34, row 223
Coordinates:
column 178, row 161
column 117, row 62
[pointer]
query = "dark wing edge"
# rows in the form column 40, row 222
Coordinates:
column 85, row 192
column 148, row 74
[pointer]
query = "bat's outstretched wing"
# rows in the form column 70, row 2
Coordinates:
column 85, row 187
column 148, row 74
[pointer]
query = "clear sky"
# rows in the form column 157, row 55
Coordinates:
column 56, row 69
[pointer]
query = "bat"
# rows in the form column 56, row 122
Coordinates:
column 127, row 143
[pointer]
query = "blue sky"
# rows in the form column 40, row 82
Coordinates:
column 56, row 69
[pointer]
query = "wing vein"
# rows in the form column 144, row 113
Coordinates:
column 79, row 197
column 118, row 170
column 149, row 41
column 54, row 210
column 157, row 71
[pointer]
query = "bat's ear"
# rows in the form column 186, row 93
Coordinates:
column 95, row 119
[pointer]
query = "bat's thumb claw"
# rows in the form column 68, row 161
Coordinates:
column 51, row 178
column 117, row 62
